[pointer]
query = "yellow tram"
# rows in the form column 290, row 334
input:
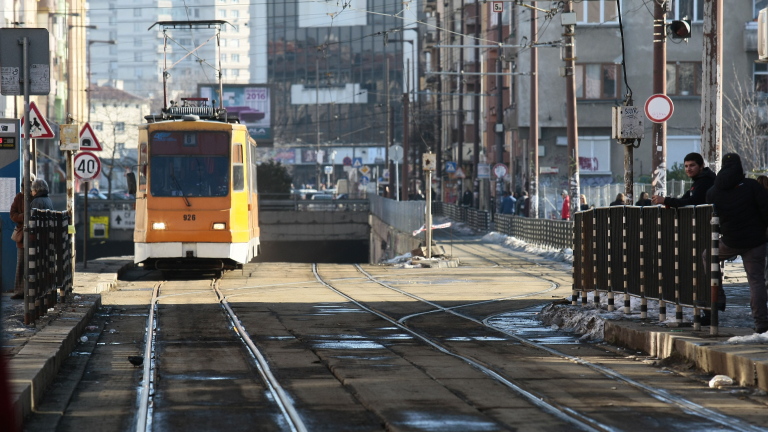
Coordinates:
column 196, row 200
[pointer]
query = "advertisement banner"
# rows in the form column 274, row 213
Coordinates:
column 251, row 103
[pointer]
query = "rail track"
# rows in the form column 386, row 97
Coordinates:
column 147, row 390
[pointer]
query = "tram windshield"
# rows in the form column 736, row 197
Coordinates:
column 189, row 164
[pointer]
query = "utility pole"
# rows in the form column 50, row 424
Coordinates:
column 533, row 139
column 386, row 132
column 317, row 120
column 404, row 193
column 572, row 119
column 659, row 148
column 476, row 110
column 438, row 122
column 460, row 88
column 712, row 89
column 499, row 111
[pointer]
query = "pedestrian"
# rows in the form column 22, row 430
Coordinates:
column 521, row 209
column 40, row 198
column 508, row 203
column 644, row 200
column 703, row 179
column 565, row 213
column 467, row 198
column 583, row 205
column 17, row 215
column 742, row 206
column 619, row 200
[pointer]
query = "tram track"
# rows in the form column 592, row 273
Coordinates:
column 147, row 389
column 660, row 394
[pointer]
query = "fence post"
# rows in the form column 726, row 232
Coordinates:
column 696, row 317
column 643, row 299
column 610, row 284
column 662, row 305
column 31, row 300
column 678, row 307
column 596, row 299
column 714, row 328
column 627, row 304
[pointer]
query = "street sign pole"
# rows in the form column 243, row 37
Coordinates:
column 28, row 295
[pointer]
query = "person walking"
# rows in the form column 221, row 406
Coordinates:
column 742, row 205
column 521, row 205
column 619, row 200
column 644, row 200
column 467, row 198
column 508, row 204
column 17, row 215
column 703, row 179
column 565, row 213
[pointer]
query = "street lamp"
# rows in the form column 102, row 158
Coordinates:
column 91, row 42
column 69, row 63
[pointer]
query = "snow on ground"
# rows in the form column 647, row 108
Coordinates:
column 459, row 228
column 754, row 338
column 589, row 321
column 509, row 242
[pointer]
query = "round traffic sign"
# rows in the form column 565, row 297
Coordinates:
column 87, row 166
column 500, row 170
column 659, row 108
column 364, row 180
column 396, row 153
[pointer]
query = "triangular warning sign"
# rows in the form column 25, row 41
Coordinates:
column 459, row 174
column 88, row 140
column 38, row 127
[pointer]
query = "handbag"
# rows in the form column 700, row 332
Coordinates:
column 18, row 235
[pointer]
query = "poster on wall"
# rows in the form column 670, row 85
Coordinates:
column 251, row 103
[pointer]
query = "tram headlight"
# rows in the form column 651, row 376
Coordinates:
column 219, row 226
column 158, row 226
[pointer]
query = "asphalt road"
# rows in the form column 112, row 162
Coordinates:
column 371, row 348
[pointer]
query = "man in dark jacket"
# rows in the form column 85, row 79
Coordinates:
column 703, row 179
column 742, row 205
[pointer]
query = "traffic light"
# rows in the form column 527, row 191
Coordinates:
column 762, row 36
column 680, row 29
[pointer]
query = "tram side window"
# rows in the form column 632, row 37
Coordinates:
column 143, row 167
column 253, row 170
column 238, row 169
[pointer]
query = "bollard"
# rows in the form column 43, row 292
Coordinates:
column 695, row 266
column 610, row 279
column 662, row 305
column 627, row 304
column 596, row 299
column 678, row 307
column 643, row 300
column 715, row 280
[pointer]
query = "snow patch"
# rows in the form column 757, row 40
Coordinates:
column 756, row 338
column 509, row 242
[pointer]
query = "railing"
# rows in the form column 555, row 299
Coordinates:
column 478, row 220
column 405, row 216
column 50, row 262
column 540, row 232
column 645, row 252
column 294, row 202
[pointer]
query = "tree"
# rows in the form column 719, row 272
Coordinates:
column 273, row 177
column 745, row 125
column 677, row 172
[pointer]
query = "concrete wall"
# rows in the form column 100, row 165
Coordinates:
column 313, row 226
column 387, row 242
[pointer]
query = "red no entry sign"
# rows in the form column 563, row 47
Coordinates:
column 659, row 108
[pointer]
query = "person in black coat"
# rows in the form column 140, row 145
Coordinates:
column 742, row 205
column 703, row 179
column 644, row 200
column 467, row 198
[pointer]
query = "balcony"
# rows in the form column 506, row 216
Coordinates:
column 750, row 37
column 430, row 5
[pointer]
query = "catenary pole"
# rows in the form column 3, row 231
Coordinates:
column 659, row 147
column 406, row 148
column 499, row 144
column 438, row 123
column 533, row 139
column 386, row 132
column 29, row 296
column 572, row 120
column 476, row 111
column 460, row 144
column 712, row 89
column 317, row 120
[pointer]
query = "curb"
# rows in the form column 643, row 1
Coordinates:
column 35, row 367
column 746, row 364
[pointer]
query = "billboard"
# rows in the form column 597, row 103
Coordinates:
column 252, row 103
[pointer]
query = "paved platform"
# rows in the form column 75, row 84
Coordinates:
column 37, row 352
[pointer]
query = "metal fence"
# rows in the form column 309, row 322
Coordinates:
column 646, row 252
column 478, row 220
column 603, row 196
column 405, row 216
column 294, row 202
column 540, row 232
column 50, row 262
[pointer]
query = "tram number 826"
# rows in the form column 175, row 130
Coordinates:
column 189, row 217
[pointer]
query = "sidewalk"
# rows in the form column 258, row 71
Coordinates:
column 743, row 358
column 37, row 352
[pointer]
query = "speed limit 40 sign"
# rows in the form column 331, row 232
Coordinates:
column 87, row 166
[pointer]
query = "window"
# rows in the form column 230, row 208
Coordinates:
column 234, row 14
column 235, row 57
column 137, row 56
column 197, row 13
column 238, row 170
column 137, row 41
column 112, row 20
column 596, row 12
column 137, row 27
column 139, row 72
column 597, row 81
column 120, row 127
column 137, row 12
column 99, row 126
column 193, row 164
column 236, row 72
column 684, row 78
column 185, row 41
column 235, row 43
column 693, row 9
column 113, row 65
column 223, row 42
column 113, row 49
column 222, row 13
column 143, row 167
column 760, row 76
column 759, row 5
column 223, row 58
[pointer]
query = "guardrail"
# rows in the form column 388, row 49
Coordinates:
column 647, row 252
column 540, row 232
column 479, row 220
column 404, row 216
column 50, row 262
column 294, row 202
